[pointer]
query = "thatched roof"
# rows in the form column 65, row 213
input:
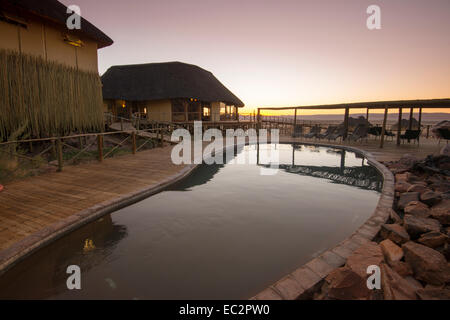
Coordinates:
column 170, row 80
column 56, row 12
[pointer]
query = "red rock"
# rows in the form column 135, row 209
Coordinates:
column 394, row 232
column 406, row 198
column 402, row 186
column 413, row 282
column 415, row 226
column 363, row 257
column 433, row 294
column 402, row 268
column 391, row 251
column 394, row 286
column 441, row 212
column 431, row 198
column 421, row 188
column 403, row 177
column 395, row 217
column 345, row 284
column 418, row 209
column 428, row 265
column 433, row 239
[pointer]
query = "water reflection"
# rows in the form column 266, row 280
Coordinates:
column 88, row 247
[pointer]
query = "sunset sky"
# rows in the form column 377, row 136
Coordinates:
column 287, row 53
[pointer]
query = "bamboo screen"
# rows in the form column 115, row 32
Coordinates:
column 46, row 97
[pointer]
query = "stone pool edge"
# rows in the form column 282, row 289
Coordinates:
column 32, row 243
column 306, row 280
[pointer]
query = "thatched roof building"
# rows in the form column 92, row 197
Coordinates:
column 171, row 91
column 49, row 81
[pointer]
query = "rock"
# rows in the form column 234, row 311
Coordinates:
column 407, row 161
column 402, row 268
column 415, row 226
column 431, row 198
column 433, row 239
column 394, row 286
column 428, row 265
column 433, row 294
column 406, row 198
column 345, row 284
column 402, row 186
column 420, row 188
column 363, row 257
column 395, row 217
column 441, row 212
column 445, row 150
column 416, row 284
column 391, row 251
column 394, row 232
column 441, row 186
column 418, row 209
column 402, row 177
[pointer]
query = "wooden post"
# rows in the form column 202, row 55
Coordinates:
column 347, row 112
column 31, row 146
column 133, row 140
column 60, row 154
column 54, row 149
column 399, row 127
column 428, row 131
column 410, row 118
column 161, row 141
column 295, row 122
column 121, row 124
column 420, row 118
column 259, row 120
column 367, row 116
column 100, row 147
column 383, row 130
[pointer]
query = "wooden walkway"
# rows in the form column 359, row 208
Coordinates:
column 29, row 205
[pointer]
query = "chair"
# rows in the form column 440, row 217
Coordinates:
column 411, row 135
column 313, row 133
column 443, row 134
column 360, row 133
column 338, row 133
column 375, row 131
column 330, row 130
column 298, row 131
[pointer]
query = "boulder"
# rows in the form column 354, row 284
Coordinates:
column 420, row 188
column 433, row 294
column 415, row 226
column 394, row 286
column 431, row 198
column 363, row 257
column 433, row 239
column 391, row 251
column 394, row 232
column 345, row 284
column 402, row 268
column 441, row 212
column 416, row 284
column 402, row 186
column 402, row 177
column 418, row 209
column 406, row 198
column 428, row 265
column 394, row 216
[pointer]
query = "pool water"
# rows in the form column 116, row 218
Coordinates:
column 225, row 232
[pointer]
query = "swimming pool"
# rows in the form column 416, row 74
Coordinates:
column 224, row 232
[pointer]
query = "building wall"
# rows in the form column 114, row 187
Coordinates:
column 160, row 110
column 215, row 111
column 48, row 42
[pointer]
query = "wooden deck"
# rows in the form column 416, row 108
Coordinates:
column 32, row 204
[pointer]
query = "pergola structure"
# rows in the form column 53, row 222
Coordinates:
column 384, row 105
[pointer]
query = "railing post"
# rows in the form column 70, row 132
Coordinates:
column 60, row 154
column 133, row 139
column 100, row 147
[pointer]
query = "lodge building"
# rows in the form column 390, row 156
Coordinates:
column 168, row 92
